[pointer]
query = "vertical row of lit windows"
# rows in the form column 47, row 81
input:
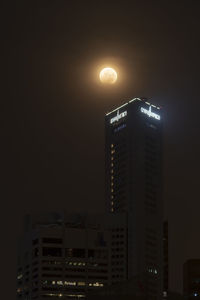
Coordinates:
column 118, row 174
column 112, row 151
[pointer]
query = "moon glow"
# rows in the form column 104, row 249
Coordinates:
column 108, row 75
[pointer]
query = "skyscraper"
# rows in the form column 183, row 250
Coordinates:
column 133, row 149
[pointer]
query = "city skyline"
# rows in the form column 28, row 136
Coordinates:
column 53, row 108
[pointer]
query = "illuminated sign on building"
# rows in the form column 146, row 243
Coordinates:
column 118, row 116
column 150, row 113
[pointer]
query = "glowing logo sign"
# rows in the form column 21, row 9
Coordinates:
column 150, row 113
column 118, row 116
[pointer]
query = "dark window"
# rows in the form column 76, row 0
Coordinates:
column 97, row 253
column 35, row 252
column 46, row 268
column 97, row 271
column 47, row 251
column 75, row 270
column 74, row 276
column 51, row 275
column 35, row 242
column 97, row 277
column 52, row 240
column 78, row 253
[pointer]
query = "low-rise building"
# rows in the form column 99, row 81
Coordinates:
column 69, row 255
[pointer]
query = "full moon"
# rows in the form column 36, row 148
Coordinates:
column 108, row 75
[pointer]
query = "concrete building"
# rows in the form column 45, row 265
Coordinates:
column 134, row 186
column 70, row 255
column 191, row 279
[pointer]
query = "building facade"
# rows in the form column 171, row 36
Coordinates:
column 69, row 256
column 191, row 279
column 133, row 147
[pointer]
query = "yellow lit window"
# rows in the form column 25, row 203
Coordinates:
column 111, row 145
column 112, row 183
column 112, row 171
column 112, row 158
column 112, row 203
column 112, row 164
column 81, row 283
column 112, row 196
column 70, row 283
column 97, row 284
column 20, row 276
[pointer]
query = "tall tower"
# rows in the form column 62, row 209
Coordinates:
column 133, row 150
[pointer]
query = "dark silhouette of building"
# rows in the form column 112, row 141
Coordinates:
column 69, row 256
column 191, row 279
column 134, row 186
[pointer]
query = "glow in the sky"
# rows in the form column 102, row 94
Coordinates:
column 108, row 75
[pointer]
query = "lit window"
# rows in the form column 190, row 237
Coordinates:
column 164, row 294
column 97, row 284
column 112, row 157
column 112, row 190
column 81, row 283
column 111, row 145
column 19, row 276
column 70, row 283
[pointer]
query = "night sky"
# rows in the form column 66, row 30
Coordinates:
column 53, row 106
